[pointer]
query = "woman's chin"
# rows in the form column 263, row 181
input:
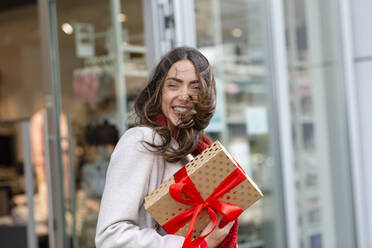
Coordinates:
column 173, row 123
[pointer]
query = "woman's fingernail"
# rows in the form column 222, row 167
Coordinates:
column 223, row 223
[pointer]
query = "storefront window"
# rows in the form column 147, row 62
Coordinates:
column 21, row 96
column 233, row 36
column 318, row 113
column 102, row 67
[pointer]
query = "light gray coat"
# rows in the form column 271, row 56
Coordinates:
column 132, row 174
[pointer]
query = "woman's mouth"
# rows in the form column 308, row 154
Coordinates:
column 180, row 109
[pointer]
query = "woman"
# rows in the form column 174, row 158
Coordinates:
column 173, row 110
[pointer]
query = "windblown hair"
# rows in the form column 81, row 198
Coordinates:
column 148, row 105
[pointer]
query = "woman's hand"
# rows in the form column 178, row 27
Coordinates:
column 218, row 235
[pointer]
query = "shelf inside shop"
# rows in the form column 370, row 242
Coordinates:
column 135, row 73
column 133, row 48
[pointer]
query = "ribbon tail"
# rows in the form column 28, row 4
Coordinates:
column 201, row 240
column 179, row 221
column 188, row 238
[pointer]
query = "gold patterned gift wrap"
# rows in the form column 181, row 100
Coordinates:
column 208, row 171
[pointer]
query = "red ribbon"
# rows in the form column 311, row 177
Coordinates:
column 184, row 186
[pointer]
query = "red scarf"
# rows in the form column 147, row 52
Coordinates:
column 231, row 240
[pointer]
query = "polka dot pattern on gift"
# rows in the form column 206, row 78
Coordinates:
column 207, row 171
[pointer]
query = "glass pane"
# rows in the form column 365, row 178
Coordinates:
column 21, row 88
column 14, row 208
column 97, row 85
column 233, row 36
column 21, row 96
column 318, row 113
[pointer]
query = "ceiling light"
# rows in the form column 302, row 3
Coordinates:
column 67, row 28
column 122, row 17
column 236, row 32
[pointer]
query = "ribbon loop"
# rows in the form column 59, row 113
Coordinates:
column 184, row 187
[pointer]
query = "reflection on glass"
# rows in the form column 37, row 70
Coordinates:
column 317, row 122
column 96, row 84
column 21, row 96
column 232, row 36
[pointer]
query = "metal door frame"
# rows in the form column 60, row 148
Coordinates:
column 53, row 155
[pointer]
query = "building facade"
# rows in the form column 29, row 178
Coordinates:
column 293, row 96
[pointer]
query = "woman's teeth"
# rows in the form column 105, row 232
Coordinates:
column 180, row 109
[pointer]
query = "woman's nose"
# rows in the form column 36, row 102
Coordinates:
column 185, row 95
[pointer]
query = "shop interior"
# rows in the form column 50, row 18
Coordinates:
column 90, row 103
column 21, row 95
column 89, row 109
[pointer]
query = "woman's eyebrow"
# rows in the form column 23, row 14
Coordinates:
column 181, row 81
column 175, row 79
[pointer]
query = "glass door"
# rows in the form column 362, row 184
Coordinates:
column 319, row 125
column 102, row 67
column 23, row 187
column 102, row 63
column 261, row 113
column 235, row 37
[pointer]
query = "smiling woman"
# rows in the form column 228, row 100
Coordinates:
column 180, row 86
column 181, row 90
column 173, row 110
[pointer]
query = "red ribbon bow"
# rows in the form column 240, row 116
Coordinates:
column 184, row 186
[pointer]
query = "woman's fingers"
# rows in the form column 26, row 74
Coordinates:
column 227, row 227
column 218, row 234
column 207, row 229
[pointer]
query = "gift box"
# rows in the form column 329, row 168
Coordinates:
column 212, row 170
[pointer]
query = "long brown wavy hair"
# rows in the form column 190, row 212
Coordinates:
column 148, row 105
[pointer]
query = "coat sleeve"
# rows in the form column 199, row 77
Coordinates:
column 126, row 186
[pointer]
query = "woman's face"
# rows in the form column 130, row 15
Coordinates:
column 180, row 83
